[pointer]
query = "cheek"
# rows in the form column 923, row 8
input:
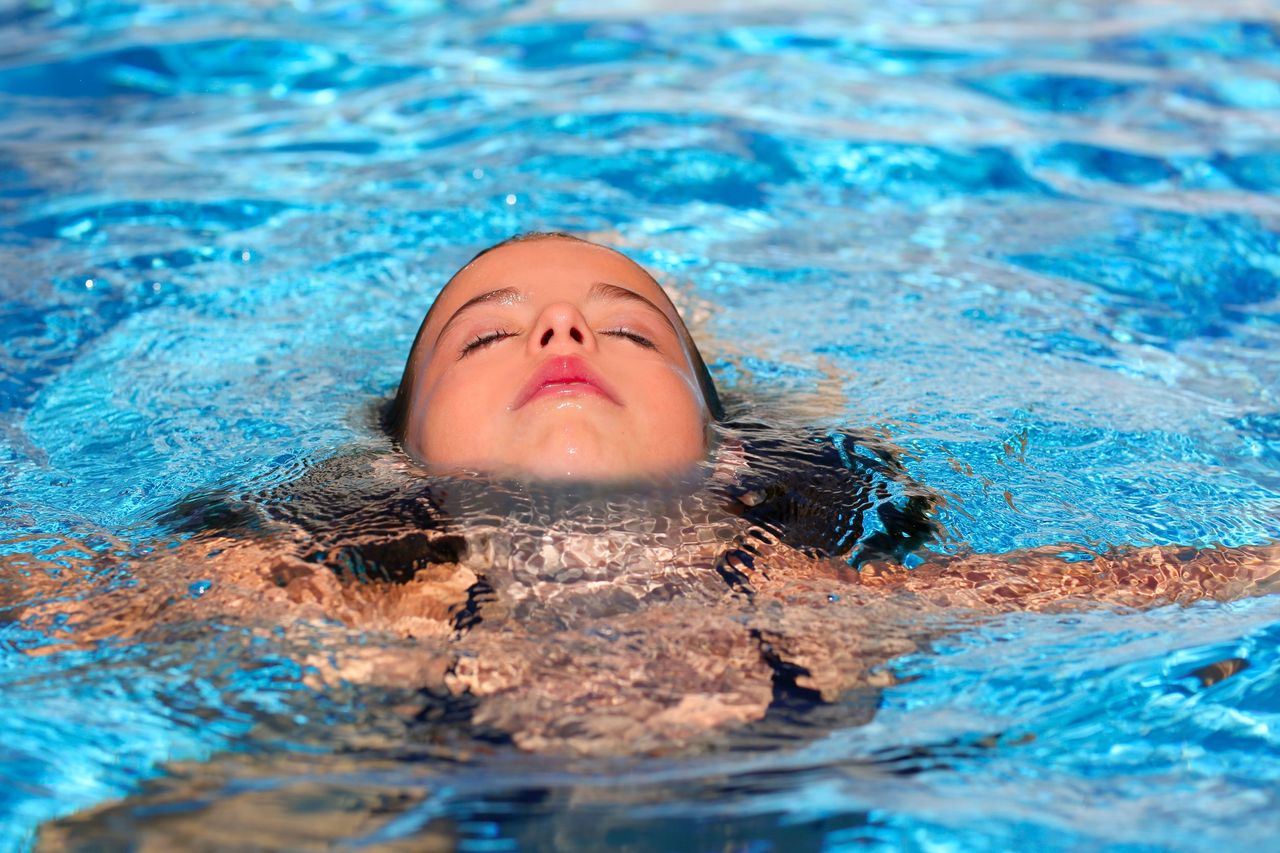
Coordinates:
column 456, row 417
column 671, row 407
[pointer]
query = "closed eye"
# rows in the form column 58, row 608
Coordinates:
column 631, row 336
column 483, row 340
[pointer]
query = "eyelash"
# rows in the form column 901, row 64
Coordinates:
column 483, row 340
column 631, row 336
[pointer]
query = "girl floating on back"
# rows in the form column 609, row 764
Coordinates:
column 571, row 533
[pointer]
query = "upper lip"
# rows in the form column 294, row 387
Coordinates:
column 563, row 370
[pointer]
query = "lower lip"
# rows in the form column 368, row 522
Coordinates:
column 566, row 389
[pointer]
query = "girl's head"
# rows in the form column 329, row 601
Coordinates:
column 552, row 357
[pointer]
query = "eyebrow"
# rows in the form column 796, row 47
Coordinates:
column 604, row 290
column 507, row 295
column 599, row 290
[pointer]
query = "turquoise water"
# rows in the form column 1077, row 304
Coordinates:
column 1037, row 246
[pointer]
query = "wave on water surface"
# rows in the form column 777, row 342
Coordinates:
column 1033, row 247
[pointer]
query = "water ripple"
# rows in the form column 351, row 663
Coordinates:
column 1034, row 245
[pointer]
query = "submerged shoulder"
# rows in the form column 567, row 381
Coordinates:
column 832, row 493
column 1045, row 579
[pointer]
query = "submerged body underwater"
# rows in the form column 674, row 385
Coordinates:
column 975, row 278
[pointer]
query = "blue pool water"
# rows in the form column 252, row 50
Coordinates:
column 1038, row 245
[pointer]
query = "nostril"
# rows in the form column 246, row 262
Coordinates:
column 546, row 337
column 576, row 335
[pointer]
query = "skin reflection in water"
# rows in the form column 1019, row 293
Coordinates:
column 695, row 678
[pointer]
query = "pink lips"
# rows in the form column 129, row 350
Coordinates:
column 563, row 375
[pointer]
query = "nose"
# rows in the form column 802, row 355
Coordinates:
column 561, row 328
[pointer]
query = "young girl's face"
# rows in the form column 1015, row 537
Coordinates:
column 555, row 358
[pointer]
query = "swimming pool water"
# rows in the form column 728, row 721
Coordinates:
column 1037, row 245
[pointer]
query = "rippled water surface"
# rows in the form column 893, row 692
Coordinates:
column 1036, row 245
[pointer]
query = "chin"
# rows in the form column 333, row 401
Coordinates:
column 576, row 466
column 571, row 464
column 587, row 450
